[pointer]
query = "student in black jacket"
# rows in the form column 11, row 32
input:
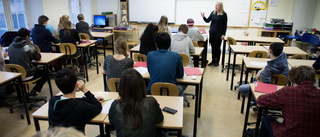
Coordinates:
column 82, row 26
column 218, row 28
column 41, row 36
column 68, row 111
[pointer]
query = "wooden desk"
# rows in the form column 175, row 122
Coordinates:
column 104, row 36
column 196, row 55
column 239, row 49
column 9, row 76
column 258, row 39
column 256, row 95
column 298, row 62
column 290, row 51
column 170, row 121
column 84, row 46
column 198, row 93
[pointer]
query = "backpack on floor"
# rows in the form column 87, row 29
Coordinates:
column 7, row 38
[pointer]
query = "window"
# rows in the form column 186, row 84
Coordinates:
column 3, row 24
column 74, row 10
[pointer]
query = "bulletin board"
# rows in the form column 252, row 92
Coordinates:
column 258, row 13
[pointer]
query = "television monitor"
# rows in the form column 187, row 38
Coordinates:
column 100, row 21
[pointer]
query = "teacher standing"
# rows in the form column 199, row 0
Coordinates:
column 218, row 28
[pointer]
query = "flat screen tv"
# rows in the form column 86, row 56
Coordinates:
column 100, row 21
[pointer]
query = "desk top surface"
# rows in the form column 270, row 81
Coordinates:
column 291, row 50
column 198, row 50
column 245, row 49
column 7, row 76
column 81, row 45
column 48, row 57
column 267, row 39
column 255, row 63
column 170, row 121
column 298, row 62
column 241, row 38
column 101, row 34
column 258, row 94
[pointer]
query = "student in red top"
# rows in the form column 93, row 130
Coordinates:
column 300, row 106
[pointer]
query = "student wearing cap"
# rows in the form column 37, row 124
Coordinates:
column 194, row 33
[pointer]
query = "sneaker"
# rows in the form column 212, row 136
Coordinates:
column 215, row 64
column 34, row 93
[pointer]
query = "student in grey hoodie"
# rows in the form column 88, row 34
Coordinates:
column 182, row 44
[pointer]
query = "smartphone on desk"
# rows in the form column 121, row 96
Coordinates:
column 169, row 110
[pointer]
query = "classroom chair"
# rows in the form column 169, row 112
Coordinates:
column 277, row 79
column 57, row 36
column 299, row 56
column 139, row 57
column 185, row 59
column 113, row 84
column 231, row 41
column 92, row 51
column 31, row 100
column 69, row 49
column 195, row 44
column 164, row 89
column 84, row 36
column 38, row 49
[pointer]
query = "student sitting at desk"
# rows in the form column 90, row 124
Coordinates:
column 164, row 65
column 41, row 36
column 194, row 33
column 147, row 39
column 163, row 25
column 182, row 44
column 82, row 26
column 61, row 19
column 277, row 65
column 68, row 111
column 115, row 64
column 134, row 114
column 300, row 105
column 22, row 52
column 69, row 35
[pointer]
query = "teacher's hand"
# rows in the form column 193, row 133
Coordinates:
column 222, row 37
column 202, row 14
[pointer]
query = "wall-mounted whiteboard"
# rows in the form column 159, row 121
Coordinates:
column 237, row 11
column 151, row 10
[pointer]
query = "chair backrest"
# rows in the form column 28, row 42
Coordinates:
column 139, row 57
column 195, row 44
column 258, row 54
column 185, row 59
column 84, row 36
column 57, row 36
column 113, row 84
column 278, row 79
column 38, row 49
column 164, row 89
column 17, row 69
column 299, row 56
column 68, row 48
column 231, row 41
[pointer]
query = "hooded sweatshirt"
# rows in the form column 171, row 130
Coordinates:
column 73, row 112
column 42, row 37
column 279, row 65
column 22, row 53
column 182, row 44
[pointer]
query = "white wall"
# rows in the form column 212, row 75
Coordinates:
column 303, row 13
column 109, row 5
column 33, row 11
column 87, row 11
column 54, row 9
column 316, row 23
column 282, row 10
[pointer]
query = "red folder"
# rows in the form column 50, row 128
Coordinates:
column 265, row 88
column 85, row 41
column 192, row 71
column 140, row 64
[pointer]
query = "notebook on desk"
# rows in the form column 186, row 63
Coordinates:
column 192, row 71
column 265, row 88
column 140, row 64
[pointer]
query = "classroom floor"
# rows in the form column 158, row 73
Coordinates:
column 220, row 115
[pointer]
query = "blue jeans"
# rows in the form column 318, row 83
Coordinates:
column 181, row 88
column 266, row 129
column 244, row 89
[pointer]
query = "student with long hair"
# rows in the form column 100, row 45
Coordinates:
column 134, row 114
column 163, row 25
column 115, row 64
column 69, row 35
column 61, row 19
column 147, row 39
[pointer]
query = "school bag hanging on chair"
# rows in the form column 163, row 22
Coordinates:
column 7, row 38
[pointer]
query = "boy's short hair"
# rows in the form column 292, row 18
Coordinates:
column 276, row 48
column 183, row 28
column 65, row 80
column 80, row 17
column 163, row 40
column 42, row 19
column 302, row 73
column 23, row 32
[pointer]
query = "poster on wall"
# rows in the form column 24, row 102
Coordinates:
column 273, row 2
column 258, row 11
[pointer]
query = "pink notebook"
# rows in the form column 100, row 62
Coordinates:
column 265, row 88
column 192, row 71
column 140, row 64
column 85, row 41
column 202, row 30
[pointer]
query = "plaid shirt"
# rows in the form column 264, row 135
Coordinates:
column 300, row 109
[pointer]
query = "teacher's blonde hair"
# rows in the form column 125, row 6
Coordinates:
column 221, row 8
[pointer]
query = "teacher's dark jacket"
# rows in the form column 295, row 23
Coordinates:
column 218, row 25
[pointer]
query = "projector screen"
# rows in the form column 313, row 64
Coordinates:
column 145, row 11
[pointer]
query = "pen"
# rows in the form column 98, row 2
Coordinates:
column 107, row 99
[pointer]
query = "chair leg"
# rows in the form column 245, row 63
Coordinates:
column 186, row 100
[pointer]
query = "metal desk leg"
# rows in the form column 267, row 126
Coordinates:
column 228, row 64
column 247, row 113
column 36, row 123
column 223, row 52
column 241, row 75
column 179, row 133
column 104, row 48
column 105, row 82
column 196, row 61
column 112, row 45
column 232, row 76
column 49, row 81
column 196, row 112
column 204, row 55
column 85, row 63
column 23, row 92
column 96, row 52
column 256, row 131
column 102, row 130
column 200, row 97
column 131, row 54
column 108, row 130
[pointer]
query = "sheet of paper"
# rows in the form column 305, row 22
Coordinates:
column 142, row 70
column 245, row 7
column 106, row 106
column 259, row 63
column 262, row 14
